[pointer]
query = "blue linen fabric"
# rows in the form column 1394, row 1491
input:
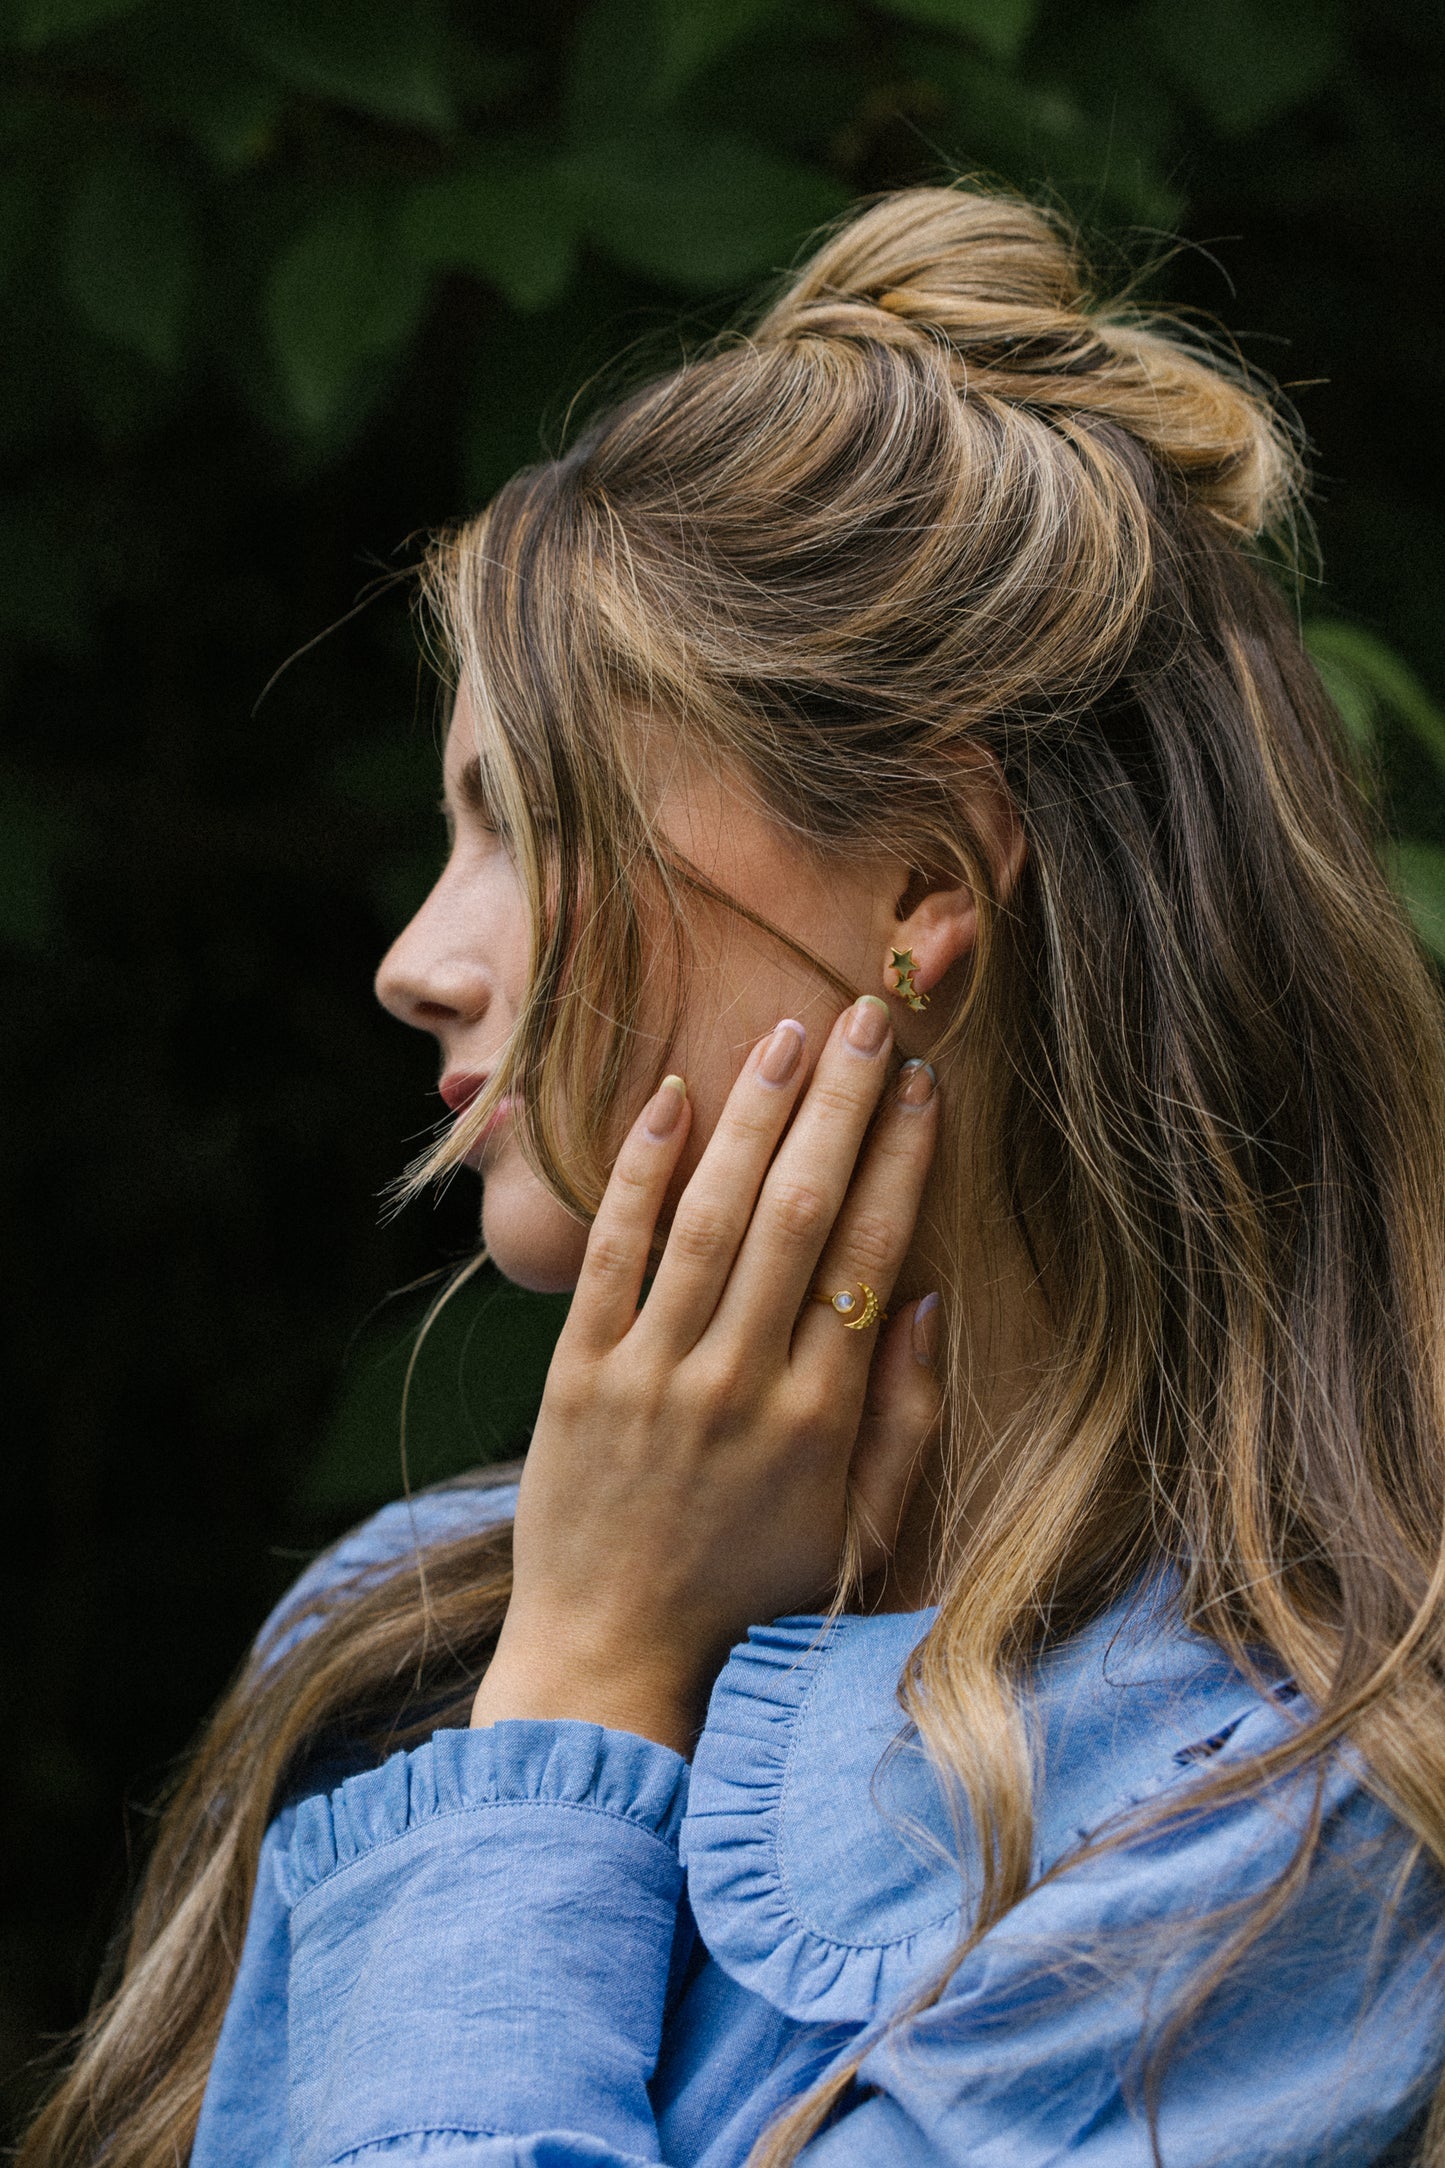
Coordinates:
column 547, row 1945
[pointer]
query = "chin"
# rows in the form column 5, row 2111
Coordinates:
column 530, row 1239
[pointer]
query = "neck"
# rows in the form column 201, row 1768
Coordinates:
column 997, row 1323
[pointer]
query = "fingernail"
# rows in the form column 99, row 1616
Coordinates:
column 781, row 1055
column 868, row 1026
column 668, row 1102
column 916, row 1081
column 925, row 1332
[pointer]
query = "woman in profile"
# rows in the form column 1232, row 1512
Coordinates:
column 959, row 1680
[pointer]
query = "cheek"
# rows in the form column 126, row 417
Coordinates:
column 529, row 1237
column 727, row 1013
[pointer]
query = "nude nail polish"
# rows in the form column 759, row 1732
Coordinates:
column 917, row 1081
column 781, row 1055
column 925, row 1332
column 666, row 1108
column 869, row 1025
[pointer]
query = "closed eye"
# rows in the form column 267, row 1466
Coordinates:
column 476, row 797
column 475, row 793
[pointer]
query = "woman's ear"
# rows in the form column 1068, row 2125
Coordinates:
column 937, row 923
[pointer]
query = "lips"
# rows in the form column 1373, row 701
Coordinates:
column 459, row 1088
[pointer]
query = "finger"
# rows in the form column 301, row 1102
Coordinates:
column 808, row 1180
column 900, row 1427
column 619, row 1244
column 870, row 1236
column 713, row 1212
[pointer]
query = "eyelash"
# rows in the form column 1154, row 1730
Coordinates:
column 490, row 821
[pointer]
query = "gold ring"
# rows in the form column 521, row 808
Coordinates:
column 860, row 1298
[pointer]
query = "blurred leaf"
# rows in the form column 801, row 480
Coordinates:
column 999, row 26
column 508, row 220
column 1246, row 61
column 525, row 376
column 345, row 295
column 616, row 53
column 36, row 22
column 1419, row 873
column 1353, row 696
column 698, row 213
column 483, row 78
column 633, row 57
column 693, row 33
column 1002, row 123
column 371, row 54
column 226, row 102
column 232, row 116
column 474, row 1393
column 130, row 255
column 1371, row 685
column 802, row 96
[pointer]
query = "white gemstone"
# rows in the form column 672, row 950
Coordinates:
column 843, row 1302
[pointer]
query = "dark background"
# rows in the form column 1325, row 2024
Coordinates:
column 286, row 283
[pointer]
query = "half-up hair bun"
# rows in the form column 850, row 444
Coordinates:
column 997, row 290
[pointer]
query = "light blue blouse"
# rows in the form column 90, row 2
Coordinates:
column 547, row 1945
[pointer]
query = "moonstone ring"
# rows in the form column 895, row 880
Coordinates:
column 857, row 1306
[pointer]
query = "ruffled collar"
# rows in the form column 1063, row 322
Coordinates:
column 824, row 1869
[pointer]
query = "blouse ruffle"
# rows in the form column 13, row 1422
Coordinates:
column 514, row 1763
column 478, row 1942
column 825, row 1869
column 766, row 1933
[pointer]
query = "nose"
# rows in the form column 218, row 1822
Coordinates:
column 426, row 981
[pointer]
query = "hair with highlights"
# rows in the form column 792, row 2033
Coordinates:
column 940, row 496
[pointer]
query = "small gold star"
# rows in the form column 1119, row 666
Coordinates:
column 904, row 967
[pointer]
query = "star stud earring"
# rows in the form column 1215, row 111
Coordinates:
column 903, row 966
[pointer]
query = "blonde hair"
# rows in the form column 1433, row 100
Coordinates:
column 939, row 495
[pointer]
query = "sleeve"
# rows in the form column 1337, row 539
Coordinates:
column 375, row 1546
column 1324, row 2043
column 481, row 1936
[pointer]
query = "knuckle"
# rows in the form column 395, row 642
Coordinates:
column 871, row 1241
column 756, row 1119
column 648, row 1389
column 814, row 1413
column 698, row 1238
column 610, row 1255
column 798, row 1210
column 631, row 1175
column 835, row 1096
column 720, row 1384
column 721, row 1374
column 568, row 1393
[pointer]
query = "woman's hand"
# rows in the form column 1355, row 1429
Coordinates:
column 694, row 1461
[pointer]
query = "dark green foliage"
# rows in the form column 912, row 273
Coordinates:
column 284, row 285
column 474, row 1390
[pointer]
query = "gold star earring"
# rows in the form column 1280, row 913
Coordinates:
column 903, row 966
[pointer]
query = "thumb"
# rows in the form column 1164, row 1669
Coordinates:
column 901, row 1418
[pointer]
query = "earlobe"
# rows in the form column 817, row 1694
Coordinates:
column 903, row 964
column 937, row 926
column 941, row 928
